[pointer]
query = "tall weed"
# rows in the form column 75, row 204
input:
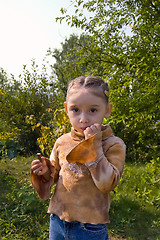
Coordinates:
column 149, row 184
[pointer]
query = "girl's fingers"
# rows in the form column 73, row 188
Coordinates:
column 92, row 130
column 39, row 167
column 97, row 126
column 37, row 171
column 36, row 166
column 35, row 162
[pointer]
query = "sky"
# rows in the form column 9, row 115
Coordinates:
column 28, row 28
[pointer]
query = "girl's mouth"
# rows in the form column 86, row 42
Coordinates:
column 83, row 128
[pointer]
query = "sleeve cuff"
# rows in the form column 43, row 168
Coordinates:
column 93, row 164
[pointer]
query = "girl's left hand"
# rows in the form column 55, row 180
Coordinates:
column 92, row 130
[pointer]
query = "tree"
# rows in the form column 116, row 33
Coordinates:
column 130, row 62
column 24, row 104
column 72, row 60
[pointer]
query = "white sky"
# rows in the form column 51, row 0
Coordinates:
column 27, row 29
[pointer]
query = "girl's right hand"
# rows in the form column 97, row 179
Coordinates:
column 39, row 167
column 92, row 130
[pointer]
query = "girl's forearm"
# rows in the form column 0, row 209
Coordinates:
column 105, row 176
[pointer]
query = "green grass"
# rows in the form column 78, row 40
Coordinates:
column 134, row 214
column 22, row 213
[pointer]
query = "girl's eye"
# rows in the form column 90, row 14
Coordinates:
column 75, row 109
column 93, row 110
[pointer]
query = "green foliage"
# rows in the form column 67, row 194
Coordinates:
column 31, row 95
column 148, row 186
column 135, row 202
column 71, row 61
column 31, row 116
column 9, row 149
column 130, row 62
column 144, row 184
column 23, row 215
column 58, row 125
column 22, row 212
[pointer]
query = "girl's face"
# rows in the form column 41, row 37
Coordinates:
column 84, row 109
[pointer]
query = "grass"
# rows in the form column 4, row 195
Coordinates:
column 22, row 213
column 134, row 214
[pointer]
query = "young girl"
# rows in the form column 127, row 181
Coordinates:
column 86, row 164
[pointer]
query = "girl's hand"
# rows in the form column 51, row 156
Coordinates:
column 39, row 167
column 92, row 130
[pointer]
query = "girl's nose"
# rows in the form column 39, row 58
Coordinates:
column 83, row 118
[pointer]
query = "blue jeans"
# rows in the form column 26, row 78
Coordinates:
column 62, row 230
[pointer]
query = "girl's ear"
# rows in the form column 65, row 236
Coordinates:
column 108, row 110
column 65, row 105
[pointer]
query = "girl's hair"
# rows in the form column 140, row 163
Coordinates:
column 97, row 84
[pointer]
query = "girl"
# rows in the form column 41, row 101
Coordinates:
column 86, row 164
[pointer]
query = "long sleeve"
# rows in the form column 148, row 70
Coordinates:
column 104, row 163
column 43, row 187
column 107, row 173
column 88, row 170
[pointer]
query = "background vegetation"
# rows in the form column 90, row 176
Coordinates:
column 134, row 214
column 32, row 115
